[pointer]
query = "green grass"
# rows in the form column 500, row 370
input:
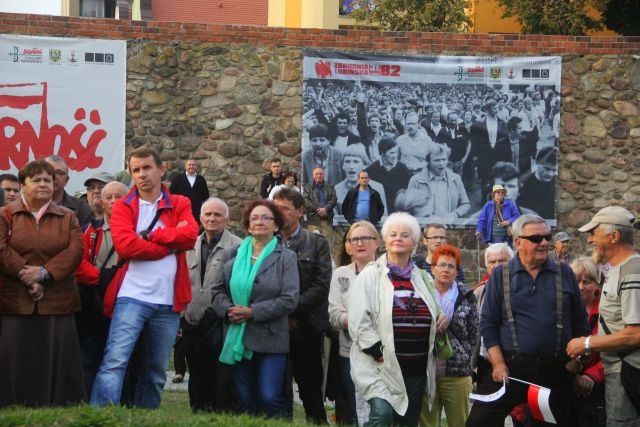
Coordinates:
column 174, row 411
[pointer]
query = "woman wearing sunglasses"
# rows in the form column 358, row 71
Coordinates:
column 392, row 321
column 361, row 244
column 453, row 376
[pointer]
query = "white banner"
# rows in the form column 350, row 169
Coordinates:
column 63, row 96
column 434, row 133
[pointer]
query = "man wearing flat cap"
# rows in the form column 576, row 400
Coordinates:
column 611, row 234
column 561, row 244
column 94, row 186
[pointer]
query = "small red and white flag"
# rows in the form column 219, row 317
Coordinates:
column 538, row 398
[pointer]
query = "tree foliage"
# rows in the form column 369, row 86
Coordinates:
column 566, row 17
column 622, row 16
column 413, row 15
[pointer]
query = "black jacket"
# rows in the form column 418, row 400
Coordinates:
column 376, row 207
column 197, row 194
column 267, row 184
column 314, row 266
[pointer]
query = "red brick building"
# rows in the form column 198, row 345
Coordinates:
column 246, row 12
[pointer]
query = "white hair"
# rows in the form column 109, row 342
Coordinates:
column 216, row 200
column 401, row 219
column 495, row 249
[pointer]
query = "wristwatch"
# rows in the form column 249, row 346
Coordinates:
column 587, row 346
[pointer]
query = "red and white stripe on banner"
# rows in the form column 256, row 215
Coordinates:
column 538, row 399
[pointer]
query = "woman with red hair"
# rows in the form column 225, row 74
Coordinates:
column 453, row 376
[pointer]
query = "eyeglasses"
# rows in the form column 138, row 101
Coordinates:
column 360, row 239
column 537, row 238
column 444, row 265
column 60, row 172
column 436, row 238
column 262, row 218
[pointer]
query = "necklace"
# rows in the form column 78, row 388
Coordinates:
column 255, row 258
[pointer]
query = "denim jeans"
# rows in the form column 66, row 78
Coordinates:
column 382, row 413
column 259, row 383
column 620, row 410
column 130, row 318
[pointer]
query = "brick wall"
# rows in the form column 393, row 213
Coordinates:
column 399, row 41
column 247, row 12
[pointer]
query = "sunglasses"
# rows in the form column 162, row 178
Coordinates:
column 537, row 238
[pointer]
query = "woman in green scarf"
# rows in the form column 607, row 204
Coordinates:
column 257, row 291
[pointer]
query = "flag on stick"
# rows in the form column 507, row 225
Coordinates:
column 538, row 398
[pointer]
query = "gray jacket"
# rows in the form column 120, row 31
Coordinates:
column 201, row 290
column 273, row 297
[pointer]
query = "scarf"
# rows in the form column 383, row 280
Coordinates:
column 448, row 301
column 243, row 275
column 400, row 272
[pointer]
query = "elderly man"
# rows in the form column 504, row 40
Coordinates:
column 93, row 273
column 202, row 329
column 152, row 230
column 611, row 234
column 561, row 245
column 531, row 310
column 61, row 197
column 319, row 201
column 94, row 186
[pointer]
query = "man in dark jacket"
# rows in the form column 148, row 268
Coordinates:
column 271, row 179
column 310, row 319
column 191, row 185
column 363, row 202
column 319, row 201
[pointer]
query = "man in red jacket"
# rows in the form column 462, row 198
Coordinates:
column 151, row 230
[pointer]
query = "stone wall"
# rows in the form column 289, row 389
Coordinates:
column 230, row 96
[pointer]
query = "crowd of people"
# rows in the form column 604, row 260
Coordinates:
column 432, row 150
column 94, row 294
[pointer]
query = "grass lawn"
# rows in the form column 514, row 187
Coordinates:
column 174, row 411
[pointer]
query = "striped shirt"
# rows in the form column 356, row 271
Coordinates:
column 411, row 324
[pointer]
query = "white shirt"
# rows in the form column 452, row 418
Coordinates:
column 150, row 281
column 191, row 179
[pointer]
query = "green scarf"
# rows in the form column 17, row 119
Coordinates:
column 243, row 274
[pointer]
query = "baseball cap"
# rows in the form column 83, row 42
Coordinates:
column 561, row 237
column 615, row 215
column 105, row 177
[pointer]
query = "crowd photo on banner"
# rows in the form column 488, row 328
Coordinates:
column 341, row 282
column 434, row 139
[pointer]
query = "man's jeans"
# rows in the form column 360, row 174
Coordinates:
column 130, row 317
column 620, row 410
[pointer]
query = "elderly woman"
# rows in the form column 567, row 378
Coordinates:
column 496, row 217
column 40, row 248
column 361, row 244
column 392, row 321
column 588, row 401
column 453, row 376
column 257, row 291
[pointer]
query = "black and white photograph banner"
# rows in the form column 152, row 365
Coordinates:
column 434, row 133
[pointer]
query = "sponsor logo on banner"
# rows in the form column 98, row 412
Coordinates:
column 31, row 55
column 495, row 72
column 73, row 56
column 98, row 58
column 535, row 73
column 511, row 73
column 470, row 74
column 323, row 69
column 55, row 56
